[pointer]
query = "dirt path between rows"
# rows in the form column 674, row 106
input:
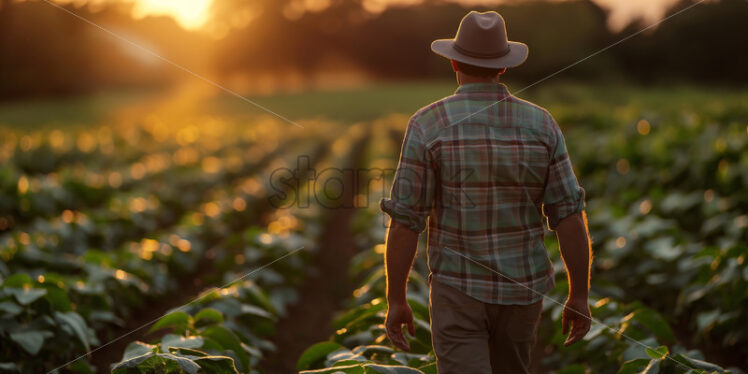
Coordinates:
column 322, row 295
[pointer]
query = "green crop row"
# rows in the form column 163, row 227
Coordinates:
column 61, row 296
column 225, row 329
column 668, row 212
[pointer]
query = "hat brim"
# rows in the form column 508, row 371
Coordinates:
column 517, row 55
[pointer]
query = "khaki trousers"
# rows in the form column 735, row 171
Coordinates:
column 472, row 337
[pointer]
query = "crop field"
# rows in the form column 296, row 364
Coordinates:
column 190, row 232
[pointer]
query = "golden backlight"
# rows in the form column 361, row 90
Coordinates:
column 191, row 14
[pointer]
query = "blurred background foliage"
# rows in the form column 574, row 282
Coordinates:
column 264, row 44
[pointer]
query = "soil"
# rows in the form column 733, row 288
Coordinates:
column 321, row 296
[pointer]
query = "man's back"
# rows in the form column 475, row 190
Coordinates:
column 485, row 167
column 482, row 164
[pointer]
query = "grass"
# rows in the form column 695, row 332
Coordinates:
column 346, row 105
column 70, row 112
column 366, row 103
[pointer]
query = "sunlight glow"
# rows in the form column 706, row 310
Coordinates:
column 191, row 14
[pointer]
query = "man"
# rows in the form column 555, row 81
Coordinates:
column 485, row 167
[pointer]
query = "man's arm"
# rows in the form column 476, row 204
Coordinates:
column 401, row 250
column 409, row 205
column 576, row 252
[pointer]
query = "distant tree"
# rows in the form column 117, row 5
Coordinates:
column 46, row 51
column 395, row 43
column 705, row 43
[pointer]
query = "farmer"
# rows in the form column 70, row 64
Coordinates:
column 485, row 168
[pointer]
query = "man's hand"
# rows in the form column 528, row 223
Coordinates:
column 577, row 318
column 399, row 314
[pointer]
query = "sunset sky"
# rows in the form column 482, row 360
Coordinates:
column 192, row 14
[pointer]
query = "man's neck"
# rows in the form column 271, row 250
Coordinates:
column 467, row 79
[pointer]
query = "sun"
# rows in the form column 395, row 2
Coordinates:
column 191, row 14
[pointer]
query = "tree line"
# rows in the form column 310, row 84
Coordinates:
column 47, row 52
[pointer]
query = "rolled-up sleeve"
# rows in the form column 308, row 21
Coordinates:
column 563, row 195
column 412, row 193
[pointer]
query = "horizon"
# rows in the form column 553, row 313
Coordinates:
column 193, row 14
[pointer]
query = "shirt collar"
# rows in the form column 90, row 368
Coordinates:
column 498, row 88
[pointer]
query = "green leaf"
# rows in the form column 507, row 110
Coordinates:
column 30, row 341
column 653, row 367
column 105, row 316
column 58, row 298
column 4, row 271
column 256, row 311
column 369, row 350
column 26, row 296
column 654, row 322
column 178, row 320
column 419, row 310
column 360, row 361
column 705, row 320
column 190, row 352
column 18, row 280
column 228, row 340
column 10, row 308
column 316, row 354
column 81, row 366
column 255, row 351
column 122, row 366
column 698, row 364
column 411, row 359
column 184, row 363
column 361, row 312
column 77, row 324
column 658, row 353
column 663, row 248
column 209, row 314
column 256, row 296
column 217, row 364
column 176, row 341
column 635, row 350
column 634, row 366
column 390, row 369
column 209, row 344
column 429, row 368
column 343, row 354
column 136, row 349
column 95, row 256
column 9, row 366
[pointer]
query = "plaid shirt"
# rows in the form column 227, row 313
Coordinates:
column 486, row 167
